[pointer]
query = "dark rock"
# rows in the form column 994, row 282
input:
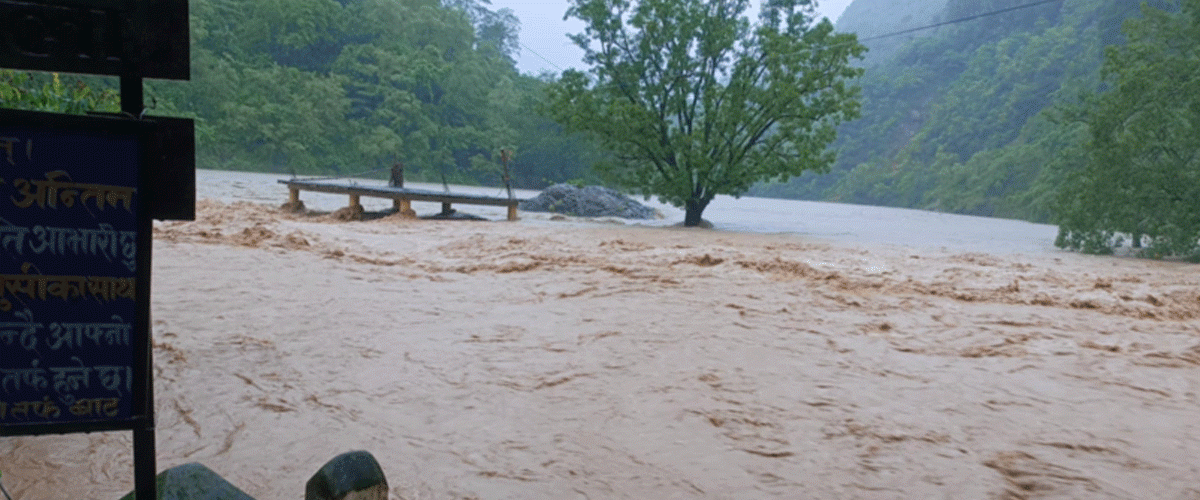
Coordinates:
column 452, row 215
column 194, row 482
column 352, row 475
column 588, row 201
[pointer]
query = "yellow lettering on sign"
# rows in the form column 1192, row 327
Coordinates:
column 40, row 287
column 58, row 188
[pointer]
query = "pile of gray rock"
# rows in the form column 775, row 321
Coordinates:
column 354, row 475
column 587, row 201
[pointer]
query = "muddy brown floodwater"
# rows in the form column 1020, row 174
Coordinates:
column 539, row 360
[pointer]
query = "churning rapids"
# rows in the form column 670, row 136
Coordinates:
column 801, row 350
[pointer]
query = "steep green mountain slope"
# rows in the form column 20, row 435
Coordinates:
column 962, row 120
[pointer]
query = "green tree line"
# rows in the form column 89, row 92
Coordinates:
column 337, row 87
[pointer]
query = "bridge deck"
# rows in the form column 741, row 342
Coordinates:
column 403, row 196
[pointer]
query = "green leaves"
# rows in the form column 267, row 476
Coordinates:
column 697, row 102
column 347, row 86
column 1141, row 182
column 21, row 90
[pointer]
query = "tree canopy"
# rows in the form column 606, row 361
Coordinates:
column 1141, row 180
column 341, row 87
column 697, row 101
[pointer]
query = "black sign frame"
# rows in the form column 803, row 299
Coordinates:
column 118, row 41
column 98, row 37
column 142, row 411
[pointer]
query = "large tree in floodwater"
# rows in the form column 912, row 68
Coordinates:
column 698, row 101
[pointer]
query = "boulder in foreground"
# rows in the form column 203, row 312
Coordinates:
column 587, row 201
column 352, row 475
column 194, row 482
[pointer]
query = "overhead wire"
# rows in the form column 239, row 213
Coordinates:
column 531, row 51
column 895, row 33
column 959, row 20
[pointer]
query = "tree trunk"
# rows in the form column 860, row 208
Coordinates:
column 694, row 208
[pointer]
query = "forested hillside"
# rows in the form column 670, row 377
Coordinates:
column 334, row 87
column 964, row 118
column 872, row 19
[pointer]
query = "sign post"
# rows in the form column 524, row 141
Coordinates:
column 77, row 198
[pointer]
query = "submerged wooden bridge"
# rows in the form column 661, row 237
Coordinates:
column 401, row 197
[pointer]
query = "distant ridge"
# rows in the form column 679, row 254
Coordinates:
column 955, row 118
column 868, row 18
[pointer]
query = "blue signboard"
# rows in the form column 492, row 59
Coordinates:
column 72, row 248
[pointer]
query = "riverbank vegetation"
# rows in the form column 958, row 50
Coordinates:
column 337, row 87
column 1075, row 112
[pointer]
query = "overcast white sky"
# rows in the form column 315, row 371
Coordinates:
column 544, row 32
